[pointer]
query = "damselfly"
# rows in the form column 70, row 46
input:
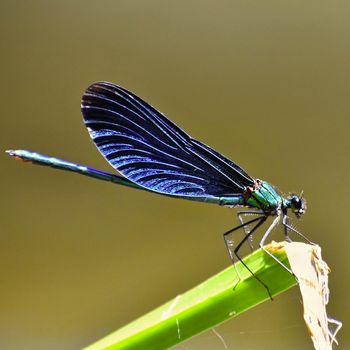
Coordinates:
column 153, row 154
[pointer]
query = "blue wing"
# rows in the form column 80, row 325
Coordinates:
column 151, row 151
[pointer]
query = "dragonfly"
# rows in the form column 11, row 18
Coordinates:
column 154, row 154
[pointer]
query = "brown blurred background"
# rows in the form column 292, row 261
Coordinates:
column 264, row 82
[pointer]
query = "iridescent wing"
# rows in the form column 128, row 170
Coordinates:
column 151, row 151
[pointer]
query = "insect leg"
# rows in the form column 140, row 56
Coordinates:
column 289, row 227
column 241, row 214
column 229, row 243
column 262, row 242
column 261, row 221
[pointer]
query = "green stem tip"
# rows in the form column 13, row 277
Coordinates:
column 212, row 302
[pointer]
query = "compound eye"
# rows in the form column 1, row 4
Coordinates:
column 297, row 205
column 295, row 200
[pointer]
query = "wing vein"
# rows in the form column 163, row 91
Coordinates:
column 150, row 150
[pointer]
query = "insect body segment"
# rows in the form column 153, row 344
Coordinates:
column 263, row 196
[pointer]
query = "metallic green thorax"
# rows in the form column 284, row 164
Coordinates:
column 265, row 197
column 262, row 196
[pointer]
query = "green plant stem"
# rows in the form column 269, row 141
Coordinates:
column 212, row 302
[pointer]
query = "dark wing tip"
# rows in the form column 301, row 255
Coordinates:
column 95, row 89
column 102, row 87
